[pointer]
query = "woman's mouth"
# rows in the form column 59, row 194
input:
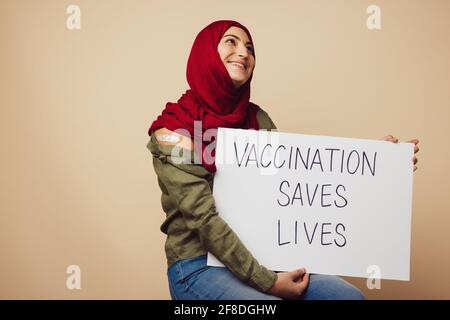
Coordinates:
column 238, row 65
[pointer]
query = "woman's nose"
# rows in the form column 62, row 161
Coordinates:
column 242, row 51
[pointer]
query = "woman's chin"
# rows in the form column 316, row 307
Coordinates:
column 238, row 81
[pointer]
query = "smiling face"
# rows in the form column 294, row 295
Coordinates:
column 236, row 53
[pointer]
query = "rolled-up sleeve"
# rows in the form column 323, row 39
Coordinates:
column 188, row 186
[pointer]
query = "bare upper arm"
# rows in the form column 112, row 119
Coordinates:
column 167, row 137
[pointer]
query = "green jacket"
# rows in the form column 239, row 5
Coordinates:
column 192, row 224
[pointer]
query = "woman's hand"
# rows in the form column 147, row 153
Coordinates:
column 290, row 285
column 416, row 147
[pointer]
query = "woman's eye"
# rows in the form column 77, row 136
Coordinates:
column 232, row 41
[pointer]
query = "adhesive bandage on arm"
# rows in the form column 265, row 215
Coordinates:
column 170, row 138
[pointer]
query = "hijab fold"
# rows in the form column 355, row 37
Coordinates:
column 212, row 97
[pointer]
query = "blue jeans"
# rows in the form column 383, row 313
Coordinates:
column 192, row 279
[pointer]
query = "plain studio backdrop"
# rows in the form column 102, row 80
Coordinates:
column 77, row 183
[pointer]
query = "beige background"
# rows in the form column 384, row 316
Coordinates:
column 77, row 184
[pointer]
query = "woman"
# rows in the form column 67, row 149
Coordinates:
column 219, row 73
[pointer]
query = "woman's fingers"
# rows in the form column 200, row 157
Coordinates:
column 297, row 274
column 415, row 141
column 304, row 283
column 390, row 138
column 301, row 279
column 416, row 149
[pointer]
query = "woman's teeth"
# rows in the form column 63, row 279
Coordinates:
column 237, row 64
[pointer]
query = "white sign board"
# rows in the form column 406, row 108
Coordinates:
column 332, row 205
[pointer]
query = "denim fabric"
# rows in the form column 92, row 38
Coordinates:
column 192, row 279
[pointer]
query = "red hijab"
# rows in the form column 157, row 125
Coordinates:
column 212, row 97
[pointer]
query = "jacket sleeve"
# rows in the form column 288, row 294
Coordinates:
column 187, row 184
